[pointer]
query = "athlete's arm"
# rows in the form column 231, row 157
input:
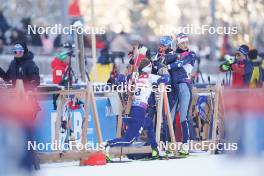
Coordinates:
column 159, row 79
column 189, row 59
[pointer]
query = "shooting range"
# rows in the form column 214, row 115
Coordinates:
column 131, row 88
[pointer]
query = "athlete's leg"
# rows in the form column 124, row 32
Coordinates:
column 148, row 125
column 135, row 127
column 185, row 97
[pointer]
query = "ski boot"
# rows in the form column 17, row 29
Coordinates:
column 106, row 151
column 184, row 151
column 108, row 158
column 155, row 153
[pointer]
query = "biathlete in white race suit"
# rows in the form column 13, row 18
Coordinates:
column 137, row 117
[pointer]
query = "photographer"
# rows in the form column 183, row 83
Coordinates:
column 22, row 67
column 241, row 68
column 59, row 65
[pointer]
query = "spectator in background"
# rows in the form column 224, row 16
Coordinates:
column 256, row 79
column 3, row 23
column 22, row 67
column 74, row 11
column 242, row 68
column 47, row 42
column 17, row 35
column 101, row 41
column 120, row 43
column 261, row 55
column 2, row 41
column 35, row 39
column 57, row 41
column 1, row 46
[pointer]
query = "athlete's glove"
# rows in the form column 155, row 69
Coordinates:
column 164, row 79
column 176, row 64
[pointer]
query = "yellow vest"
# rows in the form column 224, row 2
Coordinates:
column 255, row 77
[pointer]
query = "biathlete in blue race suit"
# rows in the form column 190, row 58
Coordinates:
column 180, row 66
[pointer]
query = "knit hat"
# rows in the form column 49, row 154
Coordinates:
column 20, row 46
column 181, row 37
column 243, row 49
column 165, row 40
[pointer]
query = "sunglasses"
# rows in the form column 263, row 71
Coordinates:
column 18, row 52
column 163, row 46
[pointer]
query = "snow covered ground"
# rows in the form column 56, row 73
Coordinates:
column 199, row 165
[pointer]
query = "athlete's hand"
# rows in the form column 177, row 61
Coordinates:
column 142, row 50
column 154, row 58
